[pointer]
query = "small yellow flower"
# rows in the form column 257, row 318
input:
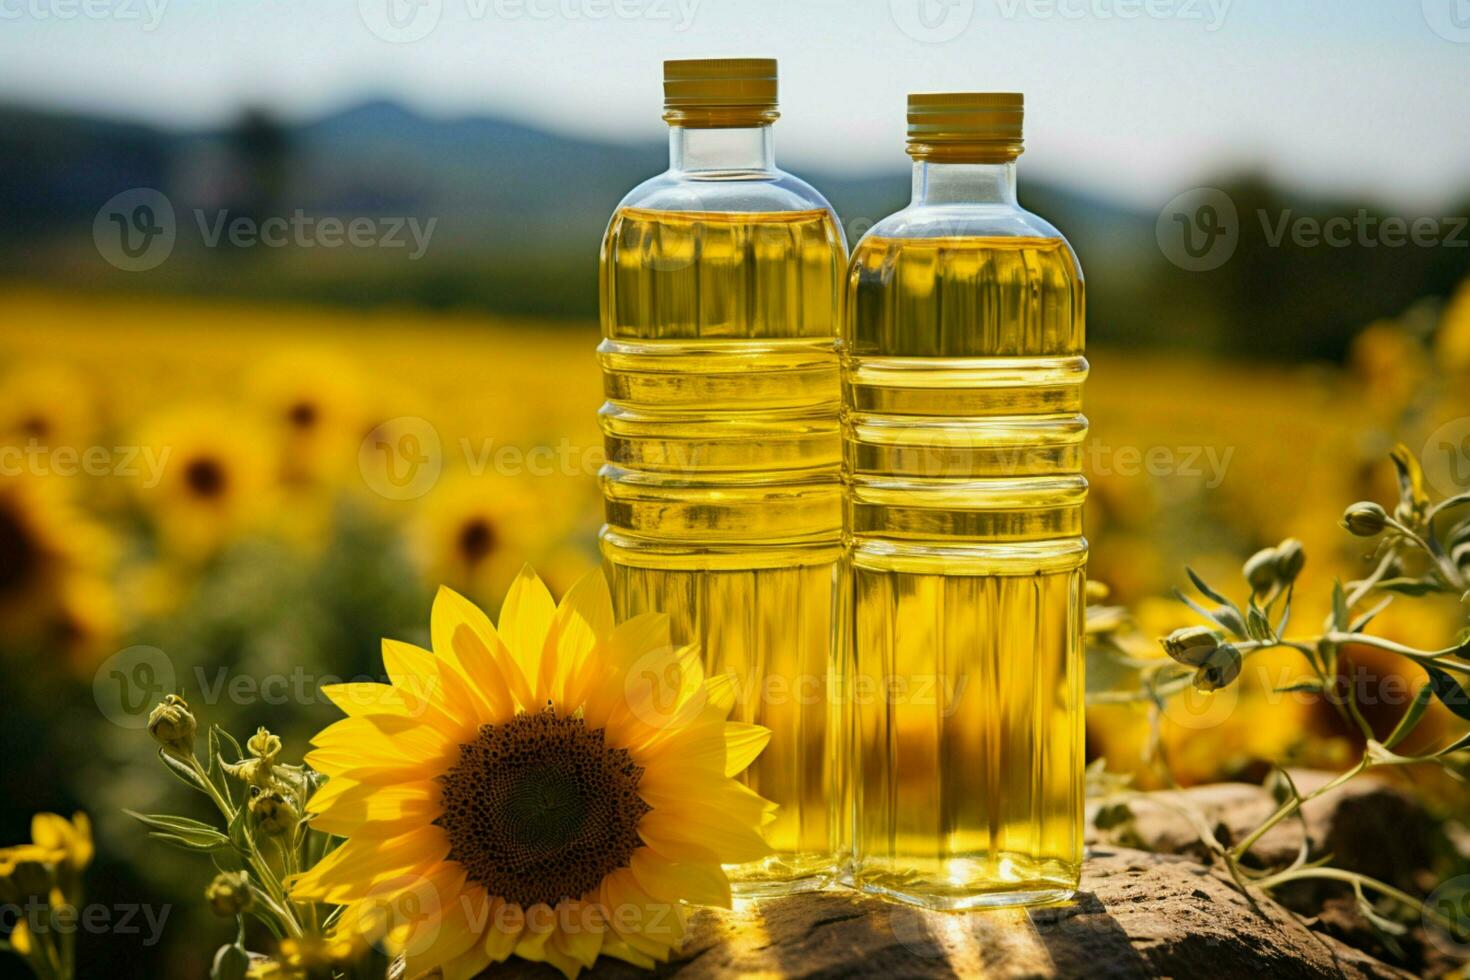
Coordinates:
column 556, row 787
column 54, row 841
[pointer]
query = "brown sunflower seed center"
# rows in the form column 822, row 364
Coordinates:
column 539, row 810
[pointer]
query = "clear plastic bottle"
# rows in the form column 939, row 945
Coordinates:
column 961, row 620
column 720, row 285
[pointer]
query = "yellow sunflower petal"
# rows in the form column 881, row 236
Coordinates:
column 503, row 930
column 374, row 811
column 583, row 620
column 463, row 635
column 743, row 743
column 351, row 871
column 525, row 623
column 443, row 938
column 422, row 674
column 703, row 884
column 677, row 838
column 361, row 699
column 647, row 925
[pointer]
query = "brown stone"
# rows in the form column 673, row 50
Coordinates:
column 1137, row 915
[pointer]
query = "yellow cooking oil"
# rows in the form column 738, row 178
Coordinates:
column 962, row 603
column 720, row 283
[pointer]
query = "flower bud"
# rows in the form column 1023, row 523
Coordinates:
column 172, row 725
column 264, row 745
column 1365, row 519
column 1191, row 645
column 229, row 893
column 1291, row 558
column 272, row 812
column 1261, row 570
column 1220, row 669
column 1096, row 592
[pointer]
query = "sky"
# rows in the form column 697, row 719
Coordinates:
column 1135, row 100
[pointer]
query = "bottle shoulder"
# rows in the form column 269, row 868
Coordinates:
column 964, row 221
column 727, row 191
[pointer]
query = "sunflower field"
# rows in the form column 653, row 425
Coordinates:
column 237, row 502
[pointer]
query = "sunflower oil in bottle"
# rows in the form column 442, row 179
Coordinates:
column 720, row 286
column 962, row 605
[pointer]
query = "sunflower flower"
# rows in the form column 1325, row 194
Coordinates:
column 554, row 786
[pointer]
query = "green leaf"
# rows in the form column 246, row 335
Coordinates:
column 182, row 770
column 1312, row 686
column 225, row 738
column 240, row 829
column 1411, row 716
column 1449, row 692
column 1409, row 586
column 1205, row 590
column 1458, row 745
column 193, row 844
column 228, row 859
column 1340, row 615
column 179, row 826
column 230, row 963
column 216, row 769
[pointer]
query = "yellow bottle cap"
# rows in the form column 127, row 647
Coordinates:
column 965, row 127
column 712, row 93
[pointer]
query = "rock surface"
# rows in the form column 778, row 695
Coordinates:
column 1137, row 915
column 1348, row 822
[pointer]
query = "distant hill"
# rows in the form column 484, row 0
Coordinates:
column 519, row 213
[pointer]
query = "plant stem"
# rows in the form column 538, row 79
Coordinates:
column 1291, row 806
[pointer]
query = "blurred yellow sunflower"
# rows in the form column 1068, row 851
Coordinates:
column 314, row 402
column 555, row 787
column 48, row 404
column 472, row 532
column 45, row 546
column 211, row 482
